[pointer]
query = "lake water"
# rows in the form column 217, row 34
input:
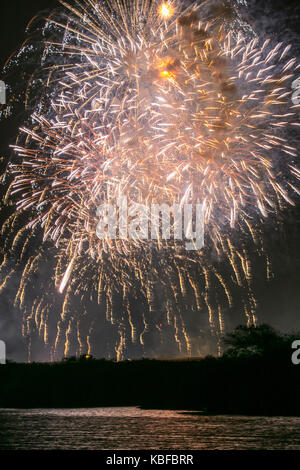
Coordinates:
column 132, row 428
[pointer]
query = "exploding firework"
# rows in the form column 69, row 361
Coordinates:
column 163, row 103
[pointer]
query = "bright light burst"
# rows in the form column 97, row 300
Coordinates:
column 165, row 10
column 160, row 103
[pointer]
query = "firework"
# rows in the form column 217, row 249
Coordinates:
column 160, row 103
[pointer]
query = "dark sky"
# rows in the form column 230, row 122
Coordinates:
column 14, row 18
column 15, row 15
column 278, row 19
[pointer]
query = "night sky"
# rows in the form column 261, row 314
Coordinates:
column 279, row 303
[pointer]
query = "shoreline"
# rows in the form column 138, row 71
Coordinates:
column 248, row 386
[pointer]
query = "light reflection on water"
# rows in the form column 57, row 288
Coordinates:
column 132, row 428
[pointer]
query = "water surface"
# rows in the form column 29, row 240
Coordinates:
column 136, row 429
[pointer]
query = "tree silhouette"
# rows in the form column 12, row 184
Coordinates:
column 262, row 340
